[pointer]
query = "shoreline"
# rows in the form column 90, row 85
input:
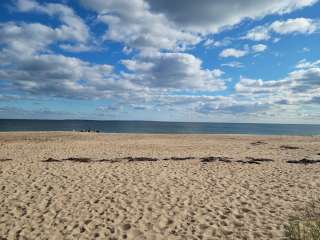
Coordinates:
column 159, row 134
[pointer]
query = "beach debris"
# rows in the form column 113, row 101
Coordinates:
column 252, row 160
column 179, row 158
column 260, row 159
column 104, row 160
column 114, row 160
column 289, row 147
column 5, row 159
column 78, row 159
column 258, row 143
column 304, row 161
column 51, row 160
column 248, row 162
column 81, row 160
column 215, row 159
column 141, row 159
column 108, row 160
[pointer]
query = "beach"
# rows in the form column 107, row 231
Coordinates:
column 72, row 185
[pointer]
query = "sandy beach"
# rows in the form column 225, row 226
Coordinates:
column 62, row 185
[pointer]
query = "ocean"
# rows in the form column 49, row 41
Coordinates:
column 158, row 127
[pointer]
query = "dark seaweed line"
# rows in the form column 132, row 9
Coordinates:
column 250, row 160
column 5, row 159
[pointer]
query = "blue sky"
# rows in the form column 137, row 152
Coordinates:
column 182, row 60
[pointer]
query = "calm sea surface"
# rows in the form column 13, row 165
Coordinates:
column 158, row 127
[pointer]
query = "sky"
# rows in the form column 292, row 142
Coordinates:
column 164, row 60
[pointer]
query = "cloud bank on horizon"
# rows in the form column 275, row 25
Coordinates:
column 181, row 60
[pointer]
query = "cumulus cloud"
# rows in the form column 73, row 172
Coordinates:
column 307, row 79
column 42, row 113
column 232, row 52
column 233, row 64
column 300, row 86
column 28, row 65
column 258, row 34
column 173, row 71
column 209, row 43
column 166, row 24
column 155, row 76
column 231, row 107
column 59, row 76
column 247, row 85
column 238, row 53
column 43, row 73
column 26, row 38
column 290, row 26
column 73, row 30
column 109, row 108
column 73, row 26
column 259, row 48
column 79, row 47
column 297, row 25
column 132, row 23
column 211, row 16
column 305, row 64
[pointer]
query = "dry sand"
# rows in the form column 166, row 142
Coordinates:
column 164, row 199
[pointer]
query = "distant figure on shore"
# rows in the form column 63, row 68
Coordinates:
column 89, row 130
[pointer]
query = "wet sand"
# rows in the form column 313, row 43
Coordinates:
column 63, row 185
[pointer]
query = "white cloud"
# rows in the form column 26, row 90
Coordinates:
column 211, row 16
column 209, row 43
column 259, row 48
column 26, row 38
column 233, row 65
column 132, row 23
column 258, row 34
column 238, row 53
column 160, row 30
column 79, row 47
column 43, row 73
column 59, row 76
column 305, row 64
column 173, row 71
column 300, row 86
column 27, row 5
column 247, row 85
column 290, row 26
column 176, row 24
column 232, row 52
column 73, row 27
column 297, row 25
column 40, row 113
column 231, row 107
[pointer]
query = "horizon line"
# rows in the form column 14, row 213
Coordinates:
column 164, row 121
